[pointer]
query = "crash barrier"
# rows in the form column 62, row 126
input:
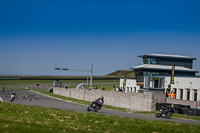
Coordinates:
column 180, row 109
column 134, row 101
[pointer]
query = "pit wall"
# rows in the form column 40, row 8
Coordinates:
column 132, row 100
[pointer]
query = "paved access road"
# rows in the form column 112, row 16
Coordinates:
column 27, row 97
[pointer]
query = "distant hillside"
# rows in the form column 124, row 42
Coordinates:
column 122, row 73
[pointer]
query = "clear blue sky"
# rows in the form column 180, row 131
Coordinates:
column 38, row 35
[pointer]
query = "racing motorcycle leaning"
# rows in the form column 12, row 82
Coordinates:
column 96, row 105
column 166, row 112
column 12, row 96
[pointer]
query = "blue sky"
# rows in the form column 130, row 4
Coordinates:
column 36, row 36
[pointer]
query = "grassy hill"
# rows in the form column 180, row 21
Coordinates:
column 122, row 73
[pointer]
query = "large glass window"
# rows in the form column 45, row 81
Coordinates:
column 168, row 61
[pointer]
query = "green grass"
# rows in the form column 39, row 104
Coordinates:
column 23, row 82
column 175, row 115
column 16, row 88
column 98, row 83
column 31, row 119
column 107, row 84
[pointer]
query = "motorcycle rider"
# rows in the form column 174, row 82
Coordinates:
column 168, row 109
column 12, row 95
column 166, row 112
column 100, row 101
column 96, row 104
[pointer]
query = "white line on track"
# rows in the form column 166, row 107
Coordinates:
column 1, row 99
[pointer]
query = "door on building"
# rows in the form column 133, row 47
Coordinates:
column 175, row 92
column 154, row 82
column 195, row 95
column 188, row 94
column 181, row 95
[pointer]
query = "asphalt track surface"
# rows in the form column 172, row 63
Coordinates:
column 27, row 97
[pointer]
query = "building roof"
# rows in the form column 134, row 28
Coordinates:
column 163, row 67
column 167, row 56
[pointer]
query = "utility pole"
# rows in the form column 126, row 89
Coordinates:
column 91, row 71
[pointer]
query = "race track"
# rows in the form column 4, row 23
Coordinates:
column 27, row 97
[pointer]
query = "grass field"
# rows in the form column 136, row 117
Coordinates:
column 107, row 84
column 21, row 118
column 21, row 82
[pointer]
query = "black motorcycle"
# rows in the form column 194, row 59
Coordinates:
column 165, row 112
column 12, row 97
column 95, row 106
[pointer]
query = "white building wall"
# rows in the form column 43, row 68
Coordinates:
column 131, row 85
column 181, row 83
column 185, row 83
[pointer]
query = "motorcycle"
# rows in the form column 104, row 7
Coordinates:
column 95, row 106
column 165, row 112
column 12, row 97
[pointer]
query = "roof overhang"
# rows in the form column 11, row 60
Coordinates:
column 162, row 67
column 167, row 56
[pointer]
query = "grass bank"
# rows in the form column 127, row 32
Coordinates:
column 21, row 118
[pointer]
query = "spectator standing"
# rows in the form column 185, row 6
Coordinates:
column 102, row 88
column 168, row 90
column 173, row 95
column 114, row 88
column 3, row 88
column 95, row 88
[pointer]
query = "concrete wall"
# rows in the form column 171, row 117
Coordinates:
column 143, row 101
column 59, row 91
column 160, row 97
column 135, row 101
column 182, row 102
column 132, row 100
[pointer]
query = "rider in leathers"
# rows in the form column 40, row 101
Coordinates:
column 100, row 101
